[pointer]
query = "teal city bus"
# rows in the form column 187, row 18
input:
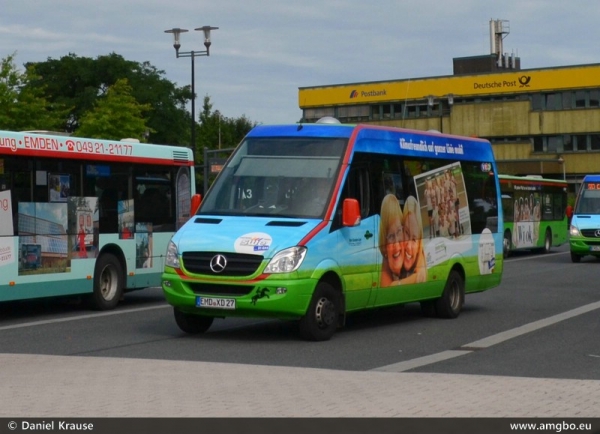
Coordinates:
column 87, row 217
column 585, row 225
column 310, row 222
column 534, row 213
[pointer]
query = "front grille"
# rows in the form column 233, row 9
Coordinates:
column 590, row 233
column 217, row 289
column 238, row 264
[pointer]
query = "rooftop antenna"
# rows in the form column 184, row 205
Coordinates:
column 499, row 29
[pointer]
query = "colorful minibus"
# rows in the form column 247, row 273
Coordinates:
column 311, row 222
column 584, row 232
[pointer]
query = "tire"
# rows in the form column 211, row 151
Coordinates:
column 108, row 282
column 451, row 302
column 507, row 244
column 575, row 258
column 192, row 324
column 322, row 317
column 547, row 241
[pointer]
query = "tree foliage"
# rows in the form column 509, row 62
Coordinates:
column 78, row 82
column 21, row 106
column 116, row 116
column 216, row 131
column 86, row 96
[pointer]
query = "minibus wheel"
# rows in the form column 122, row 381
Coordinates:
column 575, row 258
column 321, row 319
column 108, row 282
column 451, row 302
column 192, row 324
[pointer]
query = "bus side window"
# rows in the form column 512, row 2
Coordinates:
column 107, row 207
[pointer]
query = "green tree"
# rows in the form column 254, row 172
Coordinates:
column 216, row 131
column 21, row 106
column 116, row 116
column 78, row 82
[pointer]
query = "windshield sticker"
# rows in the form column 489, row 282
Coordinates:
column 255, row 242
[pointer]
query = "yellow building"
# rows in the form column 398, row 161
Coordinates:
column 540, row 121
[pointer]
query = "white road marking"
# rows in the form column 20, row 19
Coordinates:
column 489, row 341
column 78, row 317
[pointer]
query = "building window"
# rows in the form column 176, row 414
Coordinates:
column 386, row 111
column 595, row 142
column 375, row 112
column 595, row 98
column 580, row 98
column 568, row 144
column 567, row 100
column 358, row 112
column 315, row 114
column 580, row 142
column 538, row 144
column 555, row 144
column 398, row 111
column 554, row 101
column 537, row 101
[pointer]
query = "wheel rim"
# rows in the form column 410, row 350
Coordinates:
column 454, row 295
column 325, row 313
column 547, row 241
column 108, row 283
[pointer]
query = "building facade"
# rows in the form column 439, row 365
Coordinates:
column 540, row 121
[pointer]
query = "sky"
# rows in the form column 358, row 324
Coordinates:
column 264, row 51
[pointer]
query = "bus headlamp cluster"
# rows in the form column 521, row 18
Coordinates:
column 287, row 260
column 574, row 231
column 172, row 259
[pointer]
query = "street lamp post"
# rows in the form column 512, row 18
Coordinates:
column 176, row 31
column 561, row 161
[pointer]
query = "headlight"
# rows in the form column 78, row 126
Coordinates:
column 573, row 231
column 286, row 261
column 172, row 255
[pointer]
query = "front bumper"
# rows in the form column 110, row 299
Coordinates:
column 267, row 296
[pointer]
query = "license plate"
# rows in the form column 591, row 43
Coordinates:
column 595, row 248
column 215, row 303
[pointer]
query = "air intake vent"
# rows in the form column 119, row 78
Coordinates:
column 180, row 156
column 208, row 221
column 285, row 223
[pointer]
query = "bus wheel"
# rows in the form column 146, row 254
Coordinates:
column 453, row 297
column 108, row 282
column 192, row 324
column 507, row 244
column 548, row 241
column 575, row 258
column 321, row 319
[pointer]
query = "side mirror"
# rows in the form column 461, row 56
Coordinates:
column 351, row 212
column 196, row 201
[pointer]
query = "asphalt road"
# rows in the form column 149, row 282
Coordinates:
column 542, row 321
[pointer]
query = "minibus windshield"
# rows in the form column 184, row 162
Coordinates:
column 589, row 199
column 284, row 176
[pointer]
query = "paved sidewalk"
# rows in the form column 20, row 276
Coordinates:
column 51, row 386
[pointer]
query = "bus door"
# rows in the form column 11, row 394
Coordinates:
column 357, row 257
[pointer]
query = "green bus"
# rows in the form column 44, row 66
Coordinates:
column 534, row 213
